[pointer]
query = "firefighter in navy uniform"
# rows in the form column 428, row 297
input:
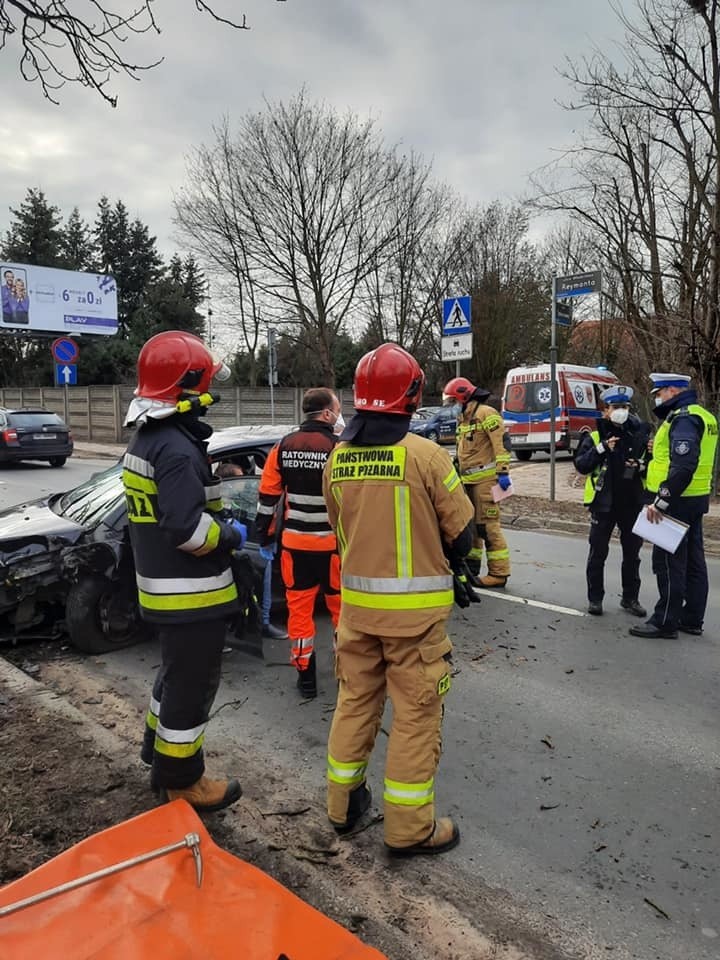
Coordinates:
column 483, row 453
column 679, row 478
column 402, row 520
column 614, row 459
column 182, row 551
column 308, row 561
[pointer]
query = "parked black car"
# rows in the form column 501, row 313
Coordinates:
column 66, row 563
column 34, row 434
column 435, row 423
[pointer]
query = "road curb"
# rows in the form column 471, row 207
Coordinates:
column 18, row 682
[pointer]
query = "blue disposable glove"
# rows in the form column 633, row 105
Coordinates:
column 268, row 552
column 240, row 529
column 504, row 481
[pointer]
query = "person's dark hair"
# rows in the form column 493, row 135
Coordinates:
column 317, row 399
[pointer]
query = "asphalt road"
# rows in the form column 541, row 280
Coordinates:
column 581, row 763
column 20, row 482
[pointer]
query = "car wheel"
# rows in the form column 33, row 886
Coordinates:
column 58, row 461
column 100, row 616
column 523, row 454
column 434, row 436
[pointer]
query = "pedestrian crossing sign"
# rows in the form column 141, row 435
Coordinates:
column 456, row 316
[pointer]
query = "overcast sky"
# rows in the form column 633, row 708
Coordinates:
column 471, row 84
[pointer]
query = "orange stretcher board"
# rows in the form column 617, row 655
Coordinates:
column 155, row 910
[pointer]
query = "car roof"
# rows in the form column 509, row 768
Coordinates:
column 239, row 438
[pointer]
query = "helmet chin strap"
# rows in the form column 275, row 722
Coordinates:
column 197, row 404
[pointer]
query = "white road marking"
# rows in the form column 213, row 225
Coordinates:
column 553, row 607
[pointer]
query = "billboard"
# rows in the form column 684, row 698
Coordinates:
column 48, row 300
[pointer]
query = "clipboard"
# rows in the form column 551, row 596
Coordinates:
column 668, row 534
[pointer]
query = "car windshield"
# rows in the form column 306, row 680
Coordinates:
column 35, row 419
column 420, row 415
column 91, row 502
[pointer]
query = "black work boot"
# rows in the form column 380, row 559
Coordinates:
column 307, row 680
column 358, row 803
column 634, row 607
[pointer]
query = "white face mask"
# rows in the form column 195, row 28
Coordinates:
column 619, row 416
column 339, row 425
column 658, row 399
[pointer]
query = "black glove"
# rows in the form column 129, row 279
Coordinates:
column 463, row 582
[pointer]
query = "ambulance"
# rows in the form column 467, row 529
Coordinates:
column 526, row 406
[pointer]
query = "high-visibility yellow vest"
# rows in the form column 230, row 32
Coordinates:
column 659, row 466
column 592, row 478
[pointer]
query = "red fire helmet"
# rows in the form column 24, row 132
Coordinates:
column 458, row 389
column 388, row 380
column 175, row 362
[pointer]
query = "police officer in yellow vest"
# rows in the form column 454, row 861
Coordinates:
column 613, row 458
column 679, row 478
column 484, row 460
column 402, row 521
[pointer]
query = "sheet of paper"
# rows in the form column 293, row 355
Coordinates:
column 499, row 494
column 667, row 534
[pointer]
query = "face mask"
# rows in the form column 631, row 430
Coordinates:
column 658, row 400
column 619, row 416
column 456, row 409
column 339, row 425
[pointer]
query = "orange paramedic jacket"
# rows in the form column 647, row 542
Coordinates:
column 295, row 468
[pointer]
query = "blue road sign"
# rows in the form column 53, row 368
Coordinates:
column 456, row 316
column 563, row 313
column 65, row 350
column 65, row 374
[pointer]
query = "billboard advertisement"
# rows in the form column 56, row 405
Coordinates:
column 48, row 300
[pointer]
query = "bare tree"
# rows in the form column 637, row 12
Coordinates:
column 305, row 195
column 645, row 180
column 505, row 276
column 212, row 219
column 404, row 288
column 59, row 46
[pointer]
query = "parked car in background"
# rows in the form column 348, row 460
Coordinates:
column 436, row 423
column 66, row 563
column 34, row 434
column 526, row 406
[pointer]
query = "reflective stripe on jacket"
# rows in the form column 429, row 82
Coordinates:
column 480, row 449
column 592, row 478
column 659, row 466
column 181, row 551
column 391, row 507
column 294, row 467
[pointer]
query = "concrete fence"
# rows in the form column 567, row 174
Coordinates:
column 96, row 413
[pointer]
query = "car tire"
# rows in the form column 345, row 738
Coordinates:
column 57, row 461
column 434, row 436
column 523, row 454
column 100, row 617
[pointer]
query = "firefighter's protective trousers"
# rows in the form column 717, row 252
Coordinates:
column 414, row 672
column 488, row 532
column 305, row 573
column 182, row 695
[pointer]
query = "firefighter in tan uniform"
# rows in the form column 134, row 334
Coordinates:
column 484, row 461
column 403, row 522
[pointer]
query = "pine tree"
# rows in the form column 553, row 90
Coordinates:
column 35, row 234
column 78, row 251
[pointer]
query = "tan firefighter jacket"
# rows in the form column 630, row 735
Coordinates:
column 480, row 446
column 391, row 507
